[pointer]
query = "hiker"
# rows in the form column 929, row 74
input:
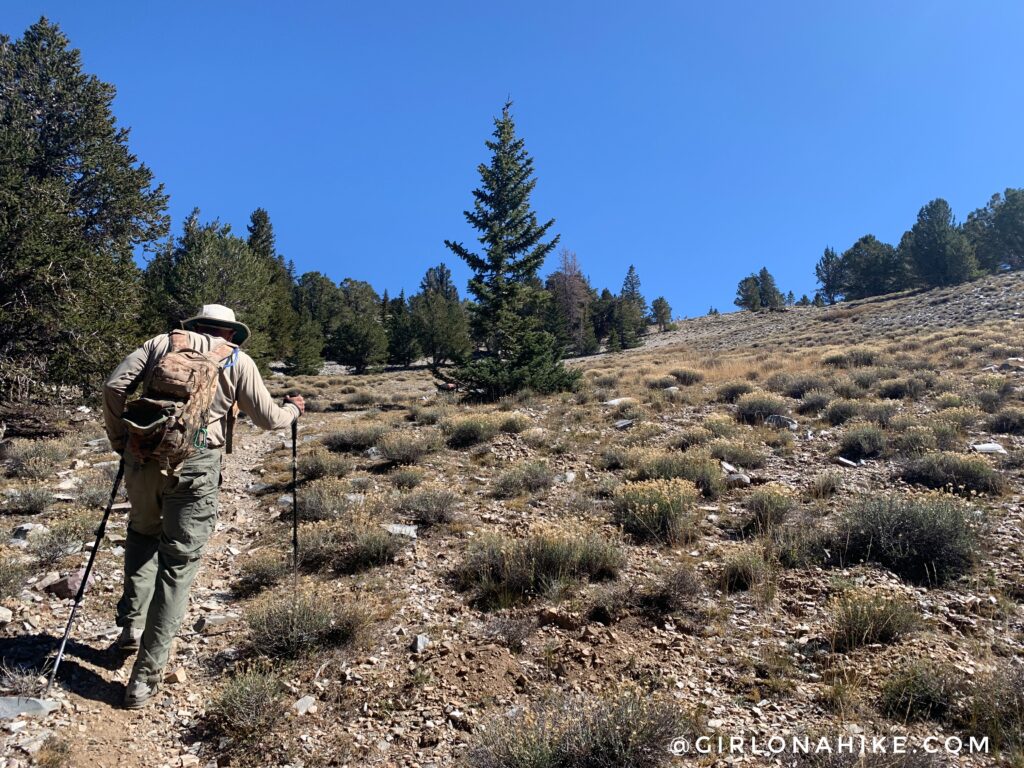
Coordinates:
column 174, row 502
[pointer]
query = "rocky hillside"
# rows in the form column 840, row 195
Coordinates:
column 797, row 524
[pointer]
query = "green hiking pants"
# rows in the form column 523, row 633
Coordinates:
column 171, row 520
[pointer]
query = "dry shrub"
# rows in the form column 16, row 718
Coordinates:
column 658, row 510
column 954, row 473
column 503, row 572
column 357, row 437
column 630, row 728
column 861, row 619
column 35, row 459
column 755, row 407
column 281, row 627
column 406, row 448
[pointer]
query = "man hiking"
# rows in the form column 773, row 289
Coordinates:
column 171, row 439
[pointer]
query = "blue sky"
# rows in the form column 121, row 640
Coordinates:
column 698, row 141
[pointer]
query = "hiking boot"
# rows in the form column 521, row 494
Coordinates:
column 138, row 693
column 130, row 640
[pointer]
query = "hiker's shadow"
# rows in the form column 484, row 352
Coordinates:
column 37, row 652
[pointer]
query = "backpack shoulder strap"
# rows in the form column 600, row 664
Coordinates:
column 178, row 340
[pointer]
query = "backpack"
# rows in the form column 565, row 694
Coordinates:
column 168, row 422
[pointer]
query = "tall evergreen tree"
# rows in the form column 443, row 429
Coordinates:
column 512, row 239
column 604, row 314
column 439, row 319
column 937, row 248
column 521, row 355
column 829, row 271
column 748, row 294
column 871, row 268
column 75, row 204
column 771, row 296
column 306, row 356
column 637, row 310
column 263, row 244
column 403, row 348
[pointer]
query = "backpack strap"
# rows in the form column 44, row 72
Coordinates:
column 178, row 340
column 229, row 427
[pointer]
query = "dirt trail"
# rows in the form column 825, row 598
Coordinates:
column 102, row 734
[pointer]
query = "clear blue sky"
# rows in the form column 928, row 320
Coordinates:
column 698, row 141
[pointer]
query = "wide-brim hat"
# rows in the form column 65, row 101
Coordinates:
column 217, row 314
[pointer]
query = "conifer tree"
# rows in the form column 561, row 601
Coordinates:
column 209, row 265
column 937, row 248
column 997, row 232
column 748, row 294
column 75, row 204
column 306, row 357
column 771, row 296
column 661, row 312
column 569, row 316
column 440, row 320
column 871, row 268
column 520, row 354
column 278, row 294
column 359, row 340
column 403, row 348
column 829, row 271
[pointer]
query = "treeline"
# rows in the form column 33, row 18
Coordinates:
column 76, row 207
column 307, row 319
column 936, row 251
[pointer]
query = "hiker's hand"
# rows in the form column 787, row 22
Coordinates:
column 298, row 402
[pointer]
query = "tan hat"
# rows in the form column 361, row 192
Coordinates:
column 218, row 314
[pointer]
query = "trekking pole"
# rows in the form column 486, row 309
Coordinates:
column 295, row 502
column 85, row 576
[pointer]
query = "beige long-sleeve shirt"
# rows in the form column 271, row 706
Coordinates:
column 240, row 382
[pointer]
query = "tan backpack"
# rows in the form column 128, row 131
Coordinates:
column 168, row 422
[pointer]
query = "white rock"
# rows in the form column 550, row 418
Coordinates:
column 305, row 706
column 988, row 448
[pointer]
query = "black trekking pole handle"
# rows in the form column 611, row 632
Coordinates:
column 100, row 531
column 295, row 502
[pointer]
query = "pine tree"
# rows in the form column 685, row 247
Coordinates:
column 604, row 314
column 520, row 354
column 403, row 347
column 209, row 265
column 661, row 312
column 790, row 299
column 748, row 294
column 803, row 301
column 871, row 268
column 318, row 295
column 937, row 248
column 631, row 293
column 306, row 357
column 440, row 320
column 569, row 317
column 818, row 300
column 829, row 271
column 712, row 312
column 285, row 320
column 75, row 204
column 771, row 296
column 997, row 232
column 359, row 339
